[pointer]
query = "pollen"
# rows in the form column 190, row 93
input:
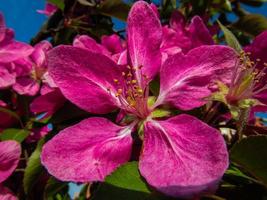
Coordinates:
column 134, row 81
column 116, row 81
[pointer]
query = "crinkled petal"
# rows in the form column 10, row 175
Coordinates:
column 87, row 151
column 85, row 78
column 14, row 50
column 144, row 34
column 182, row 156
column 185, row 80
column 9, row 158
column 6, row 194
column 26, row 86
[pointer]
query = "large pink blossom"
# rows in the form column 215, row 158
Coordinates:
column 181, row 156
column 9, row 158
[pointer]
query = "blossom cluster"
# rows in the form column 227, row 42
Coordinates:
column 160, row 85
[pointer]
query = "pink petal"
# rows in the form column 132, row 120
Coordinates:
column 39, row 54
column 14, row 50
column 86, row 42
column 112, row 43
column 49, row 9
column 144, row 33
column 85, row 78
column 6, row 77
column 38, row 133
column 9, row 158
column 87, row 151
column 26, row 86
column 182, row 156
column 258, row 49
column 200, row 34
column 5, row 194
column 48, row 103
column 186, row 79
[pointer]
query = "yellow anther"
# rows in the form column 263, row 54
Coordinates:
column 134, row 81
column 116, row 81
column 140, row 91
column 119, row 91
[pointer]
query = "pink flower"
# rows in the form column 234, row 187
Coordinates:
column 181, row 156
column 32, row 70
column 49, row 10
column 247, row 88
column 9, row 158
column 179, row 36
column 10, row 51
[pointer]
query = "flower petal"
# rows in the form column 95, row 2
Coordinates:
column 14, row 50
column 9, row 158
column 144, row 34
column 87, row 151
column 39, row 54
column 85, row 78
column 26, row 86
column 258, row 49
column 112, row 43
column 199, row 33
column 48, row 103
column 86, row 42
column 186, row 79
column 182, row 156
column 5, row 194
column 6, row 78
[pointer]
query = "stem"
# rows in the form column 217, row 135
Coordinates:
column 242, row 121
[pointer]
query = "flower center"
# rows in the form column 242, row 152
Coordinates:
column 247, row 79
column 132, row 94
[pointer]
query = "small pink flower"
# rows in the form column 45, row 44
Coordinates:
column 179, row 36
column 32, row 70
column 181, row 156
column 49, row 10
column 10, row 51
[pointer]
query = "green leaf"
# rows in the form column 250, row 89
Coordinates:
column 230, row 38
column 125, row 183
column 251, row 24
column 115, row 8
column 14, row 134
column 33, row 169
column 251, row 154
column 54, row 187
column 58, row 3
